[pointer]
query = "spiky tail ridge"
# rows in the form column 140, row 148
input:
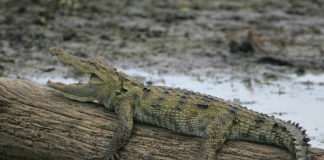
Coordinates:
column 261, row 128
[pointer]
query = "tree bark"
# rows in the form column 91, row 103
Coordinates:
column 37, row 122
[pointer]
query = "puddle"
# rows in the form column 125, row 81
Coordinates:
column 300, row 99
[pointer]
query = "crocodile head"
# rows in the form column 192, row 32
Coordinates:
column 104, row 78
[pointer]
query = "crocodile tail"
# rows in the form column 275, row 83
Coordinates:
column 299, row 140
column 261, row 128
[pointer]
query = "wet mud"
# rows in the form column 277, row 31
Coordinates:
column 187, row 37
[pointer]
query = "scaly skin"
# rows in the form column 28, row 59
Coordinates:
column 179, row 110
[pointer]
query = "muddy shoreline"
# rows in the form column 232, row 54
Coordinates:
column 192, row 38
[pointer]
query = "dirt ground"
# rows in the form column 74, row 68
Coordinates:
column 195, row 38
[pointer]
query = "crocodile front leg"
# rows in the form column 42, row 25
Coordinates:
column 125, row 125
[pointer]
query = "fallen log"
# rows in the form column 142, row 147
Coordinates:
column 37, row 122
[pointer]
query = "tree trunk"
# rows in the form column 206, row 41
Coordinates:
column 37, row 122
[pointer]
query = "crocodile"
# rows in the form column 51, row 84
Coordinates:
column 186, row 112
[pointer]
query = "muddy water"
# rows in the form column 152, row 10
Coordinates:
column 300, row 99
